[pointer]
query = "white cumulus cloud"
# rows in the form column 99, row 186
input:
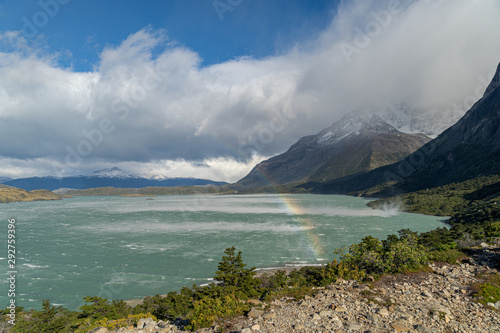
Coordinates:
column 150, row 105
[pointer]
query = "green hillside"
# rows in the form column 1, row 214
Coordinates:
column 12, row 194
column 445, row 200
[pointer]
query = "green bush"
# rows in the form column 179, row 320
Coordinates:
column 335, row 270
column 489, row 290
column 404, row 255
column 49, row 319
column 365, row 256
column 208, row 311
column 98, row 308
column 276, row 281
column 306, row 276
column 436, row 239
column 130, row 320
column 493, row 229
column 170, row 307
column 447, row 253
column 394, row 255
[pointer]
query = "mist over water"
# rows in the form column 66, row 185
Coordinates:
column 126, row 248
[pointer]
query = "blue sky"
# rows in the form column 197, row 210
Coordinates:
column 169, row 87
column 217, row 30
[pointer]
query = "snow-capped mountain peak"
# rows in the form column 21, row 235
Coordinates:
column 112, row 173
column 353, row 125
column 5, row 179
column 154, row 176
column 412, row 120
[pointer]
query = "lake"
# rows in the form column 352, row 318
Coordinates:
column 131, row 247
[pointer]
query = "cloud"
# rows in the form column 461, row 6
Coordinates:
column 149, row 102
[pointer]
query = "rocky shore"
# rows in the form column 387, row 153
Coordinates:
column 439, row 300
column 259, row 273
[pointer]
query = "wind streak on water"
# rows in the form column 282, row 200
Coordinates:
column 124, row 248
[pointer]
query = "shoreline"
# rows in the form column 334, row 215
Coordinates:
column 440, row 299
column 259, row 272
column 287, row 269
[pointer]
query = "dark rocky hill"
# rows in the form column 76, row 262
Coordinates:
column 352, row 145
column 467, row 150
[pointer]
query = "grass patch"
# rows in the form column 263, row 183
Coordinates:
column 488, row 291
column 451, row 256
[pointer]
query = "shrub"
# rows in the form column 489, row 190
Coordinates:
column 493, row 230
column 130, row 320
column 49, row 319
column 172, row 306
column 365, row 256
column 208, row 311
column 99, row 308
column 276, row 281
column 335, row 270
column 307, row 276
column 405, row 254
column 489, row 290
column 394, row 255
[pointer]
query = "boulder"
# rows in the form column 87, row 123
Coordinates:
column 100, row 330
column 340, row 309
column 399, row 327
column 325, row 313
column 254, row 301
column 383, row 312
column 256, row 327
column 255, row 313
column 299, row 327
column 352, row 326
column 143, row 323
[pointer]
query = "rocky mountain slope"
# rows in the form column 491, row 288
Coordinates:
column 440, row 300
column 426, row 302
column 469, row 149
column 356, row 143
column 113, row 177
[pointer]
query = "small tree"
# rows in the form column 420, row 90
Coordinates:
column 50, row 319
column 233, row 274
column 99, row 308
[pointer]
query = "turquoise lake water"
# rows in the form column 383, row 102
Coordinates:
column 127, row 248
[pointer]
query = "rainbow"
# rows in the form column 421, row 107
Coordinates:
column 306, row 225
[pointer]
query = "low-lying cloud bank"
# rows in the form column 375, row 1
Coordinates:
column 150, row 106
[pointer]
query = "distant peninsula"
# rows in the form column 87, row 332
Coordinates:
column 13, row 194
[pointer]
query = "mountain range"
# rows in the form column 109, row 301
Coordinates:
column 356, row 143
column 467, row 150
column 370, row 154
column 112, row 177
